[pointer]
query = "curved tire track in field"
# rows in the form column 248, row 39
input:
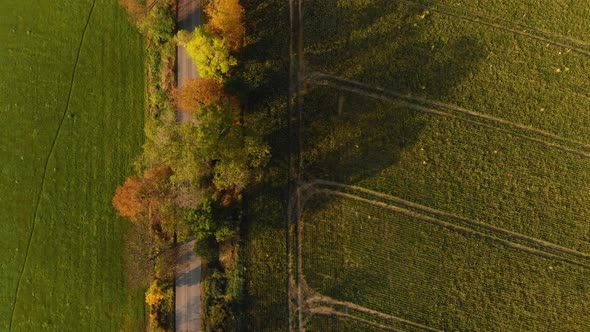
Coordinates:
column 414, row 102
column 44, row 177
column 407, row 211
column 315, row 300
column 542, row 37
column 328, row 311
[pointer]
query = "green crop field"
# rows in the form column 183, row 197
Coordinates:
column 71, row 112
column 452, row 141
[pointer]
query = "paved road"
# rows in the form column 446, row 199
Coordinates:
column 188, row 274
column 188, row 17
column 188, row 289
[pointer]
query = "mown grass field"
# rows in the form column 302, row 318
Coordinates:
column 71, row 94
column 480, row 110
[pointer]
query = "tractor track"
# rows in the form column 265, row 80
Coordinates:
column 540, row 35
column 328, row 311
column 454, row 112
column 465, row 230
column 314, row 300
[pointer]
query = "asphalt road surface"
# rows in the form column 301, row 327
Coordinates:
column 188, row 17
column 188, row 267
column 188, row 289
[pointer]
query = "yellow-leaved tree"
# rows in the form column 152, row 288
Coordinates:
column 210, row 53
column 226, row 19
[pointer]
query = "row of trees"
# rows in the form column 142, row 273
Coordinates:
column 234, row 154
column 191, row 176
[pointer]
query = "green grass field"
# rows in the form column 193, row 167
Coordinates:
column 479, row 110
column 71, row 111
column 402, row 266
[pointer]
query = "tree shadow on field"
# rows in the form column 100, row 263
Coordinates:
column 262, row 79
column 262, row 83
column 348, row 136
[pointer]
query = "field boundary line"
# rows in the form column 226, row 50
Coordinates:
column 458, row 228
column 296, row 79
column 44, row 177
column 322, row 299
column 414, row 102
column 543, row 38
column 290, row 281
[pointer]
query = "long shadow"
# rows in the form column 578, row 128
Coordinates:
column 262, row 79
column 186, row 280
column 188, row 15
column 263, row 87
column 348, row 137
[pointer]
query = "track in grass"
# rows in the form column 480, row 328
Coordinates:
column 321, row 304
column 548, row 34
column 335, row 289
column 558, row 40
column 44, row 176
column 453, row 112
column 328, row 311
column 447, row 220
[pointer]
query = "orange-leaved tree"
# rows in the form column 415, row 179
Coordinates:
column 199, row 93
column 226, row 19
column 138, row 197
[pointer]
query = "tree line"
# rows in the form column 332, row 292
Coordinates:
column 191, row 176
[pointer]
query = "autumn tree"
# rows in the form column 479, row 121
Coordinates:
column 138, row 198
column 226, row 19
column 210, row 54
column 199, row 93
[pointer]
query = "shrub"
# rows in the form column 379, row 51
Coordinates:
column 206, row 248
column 159, row 24
column 154, row 294
column 207, row 221
column 160, row 301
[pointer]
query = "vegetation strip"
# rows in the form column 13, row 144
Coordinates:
column 577, row 148
column 44, row 176
column 193, row 175
column 507, row 29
